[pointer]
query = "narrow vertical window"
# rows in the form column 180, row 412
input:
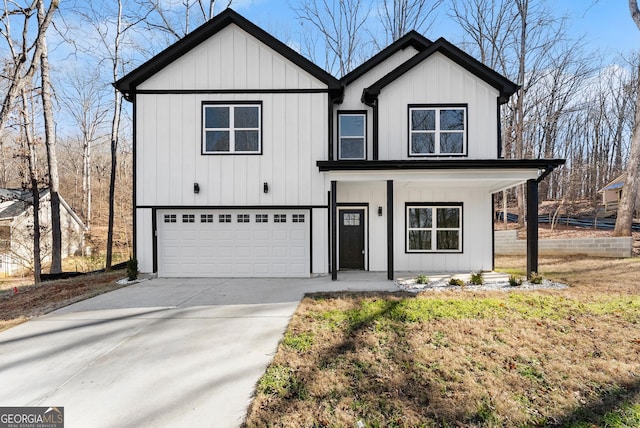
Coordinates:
column 352, row 128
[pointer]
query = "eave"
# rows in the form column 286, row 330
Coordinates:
column 396, row 165
column 127, row 84
column 493, row 78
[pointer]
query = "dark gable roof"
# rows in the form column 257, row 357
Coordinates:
column 20, row 200
column 128, row 83
column 495, row 79
column 412, row 38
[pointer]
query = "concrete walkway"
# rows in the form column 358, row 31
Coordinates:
column 161, row 353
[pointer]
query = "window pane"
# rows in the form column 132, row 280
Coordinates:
column 352, row 126
column 216, row 117
column 419, row 240
column 352, row 148
column 448, row 240
column 246, row 117
column 422, row 143
column 451, row 120
column 448, row 217
column 451, row 142
column 423, row 120
column 217, row 141
column 419, row 218
column 247, row 141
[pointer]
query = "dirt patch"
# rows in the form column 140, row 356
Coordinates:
column 35, row 300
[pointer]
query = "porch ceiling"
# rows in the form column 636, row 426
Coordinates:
column 491, row 181
column 490, row 175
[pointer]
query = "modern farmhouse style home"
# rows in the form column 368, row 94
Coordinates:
column 251, row 161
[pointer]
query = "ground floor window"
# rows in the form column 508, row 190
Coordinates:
column 433, row 228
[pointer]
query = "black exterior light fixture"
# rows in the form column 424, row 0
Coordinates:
column 379, row 211
column 265, row 187
column 196, row 188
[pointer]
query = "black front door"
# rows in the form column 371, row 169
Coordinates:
column 351, row 239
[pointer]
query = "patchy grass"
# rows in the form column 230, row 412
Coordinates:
column 566, row 358
column 35, row 300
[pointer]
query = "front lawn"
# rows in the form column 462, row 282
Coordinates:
column 461, row 358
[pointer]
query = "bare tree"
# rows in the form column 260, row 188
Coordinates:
column 341, row 26
column 627, row 201
column 177, row 22
column 50, row 143
column 32, row 182
column 84, row 102
column 24, row 53
column 398, row 17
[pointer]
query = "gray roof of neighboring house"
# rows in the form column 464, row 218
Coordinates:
column 14, row 202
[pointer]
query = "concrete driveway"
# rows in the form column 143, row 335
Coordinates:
column 161, row 353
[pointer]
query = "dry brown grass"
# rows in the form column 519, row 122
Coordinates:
column 552, row 358
column 35, row 300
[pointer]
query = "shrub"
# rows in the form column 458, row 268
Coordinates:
column 132, row 269
column 422, row 279
column 456, row 281
column 476, row 278
column 515, row 280
column 536, row 278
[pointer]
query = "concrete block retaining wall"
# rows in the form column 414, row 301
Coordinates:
column 507, row 243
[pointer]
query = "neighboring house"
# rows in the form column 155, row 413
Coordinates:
column 250, row 160
column 16, row 229
column 611, row 195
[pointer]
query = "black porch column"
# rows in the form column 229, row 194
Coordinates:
column 532, row 227
column 390, row 229
column 333, row 214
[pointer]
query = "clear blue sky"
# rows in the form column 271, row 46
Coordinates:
column 606, row 24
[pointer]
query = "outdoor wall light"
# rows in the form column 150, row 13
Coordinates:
column 265, row 187
column 380, row 211
column 196, row 188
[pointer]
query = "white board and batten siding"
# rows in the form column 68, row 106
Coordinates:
column 476, row 228
column 169, row 157
column 438, row 80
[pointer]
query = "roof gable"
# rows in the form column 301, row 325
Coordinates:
column 128, row 83
column 493, row 78
column 412, row 38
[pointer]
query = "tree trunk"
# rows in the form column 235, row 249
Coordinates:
column 33, row 183
column 52, row 158
column 629, row 191
column 115, row 128
column 626, row 206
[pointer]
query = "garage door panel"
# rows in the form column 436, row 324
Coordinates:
column 238, row 248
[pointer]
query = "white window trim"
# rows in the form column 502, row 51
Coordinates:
column 363, row 136
column 437, row 131
column 434, row 228
column 231, row 129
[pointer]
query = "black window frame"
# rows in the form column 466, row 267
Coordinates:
column 434, row 228
column 231, row 104
column 465, row 133
column 365, row 136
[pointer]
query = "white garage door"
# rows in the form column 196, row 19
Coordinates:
column 233, row 243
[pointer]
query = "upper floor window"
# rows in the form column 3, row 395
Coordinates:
column 352, row 128
column 231, row 128
column 437, row 131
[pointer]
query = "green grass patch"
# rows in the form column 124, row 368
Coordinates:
column 300, row 342
column 383, row 313
column 281, row 381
